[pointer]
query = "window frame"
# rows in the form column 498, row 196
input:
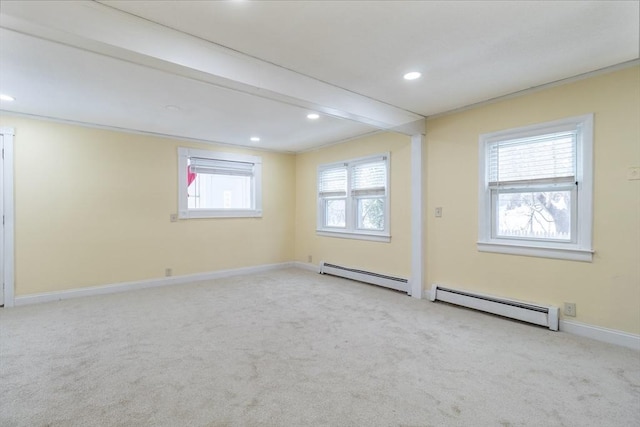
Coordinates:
column 256, row 185
column 579, row 247
column 351, row 230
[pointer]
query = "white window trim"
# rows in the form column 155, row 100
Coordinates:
column 350, row 231
column 185, row 213
column 578, row 250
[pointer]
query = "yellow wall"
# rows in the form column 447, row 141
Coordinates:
column 92, row 207
column 606, row 291
column 388, row 258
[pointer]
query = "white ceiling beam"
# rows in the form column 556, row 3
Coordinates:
column 104, row 30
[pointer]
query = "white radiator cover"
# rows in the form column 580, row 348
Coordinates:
column 397, row 283
column 527, row 312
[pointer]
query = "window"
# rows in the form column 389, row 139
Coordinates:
column 353, row 199
column 215, row 184
column 536, row 190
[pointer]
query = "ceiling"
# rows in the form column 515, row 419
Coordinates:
column 224, row 71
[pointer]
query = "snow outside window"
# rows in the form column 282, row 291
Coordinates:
column 535, row 190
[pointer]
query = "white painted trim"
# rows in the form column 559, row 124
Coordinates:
column 578, row 250
column 256, row 185
column 307, row 266
column 350, row 230
column 417, row 229
column 413, row 128
column 145, row 284
column 353, row 235
column 570, row 254
column 7, row 193
column 598, row 333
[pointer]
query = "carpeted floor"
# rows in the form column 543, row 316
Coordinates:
column 294, row 348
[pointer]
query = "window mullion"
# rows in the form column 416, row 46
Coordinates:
column 349, row 205
column 366, row 186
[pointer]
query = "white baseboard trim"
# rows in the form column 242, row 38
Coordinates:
column 599, row 333
column 144, row 284
column 306, row 266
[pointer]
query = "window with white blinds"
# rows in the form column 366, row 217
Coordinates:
column 220, row 167
column 332, row 182
column 369, row 178
column 539, row 159
column 536, row 189
column 352, row 198
column 214, row 184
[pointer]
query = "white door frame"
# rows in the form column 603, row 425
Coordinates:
column 417, row 228
column 7, row 195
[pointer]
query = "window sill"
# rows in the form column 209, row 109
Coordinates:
column 230, row 213
column 358, row 236
column 571, row 254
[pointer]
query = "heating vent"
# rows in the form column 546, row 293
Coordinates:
column 532, row 313
column 396, row 283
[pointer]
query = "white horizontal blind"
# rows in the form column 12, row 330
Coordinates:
column 220, row 167
column 333, row 182
column 535, row 160
column 369, row 179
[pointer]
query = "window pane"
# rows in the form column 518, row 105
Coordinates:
column 369, row 176
column 538, row 215
column 212, row 191
column 333, row 180
column 334, row 213
column 220, row 167
column 371, row 214
column 542, row 157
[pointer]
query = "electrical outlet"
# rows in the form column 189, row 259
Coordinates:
column 438, row 212
column 633, row 173
column 168, row 272
column 570, row 309
column 173, row 217
column 309, row 258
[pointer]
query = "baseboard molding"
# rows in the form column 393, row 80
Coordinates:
column 306, row 266
column 144, row 284
column 598, row 333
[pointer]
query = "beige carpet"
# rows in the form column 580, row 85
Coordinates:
column 294, row 348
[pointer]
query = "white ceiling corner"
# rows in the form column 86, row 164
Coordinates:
column 237, row 69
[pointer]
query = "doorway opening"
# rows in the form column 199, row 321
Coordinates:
column 6, row 215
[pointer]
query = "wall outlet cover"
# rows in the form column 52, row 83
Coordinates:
column 570, row 309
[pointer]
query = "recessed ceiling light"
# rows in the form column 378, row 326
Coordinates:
column 313, row 116
column 412, row 75
column 255, row 139
column 4, row 97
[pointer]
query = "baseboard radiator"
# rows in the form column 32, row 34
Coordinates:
column 396, row 283
column 532, row 313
